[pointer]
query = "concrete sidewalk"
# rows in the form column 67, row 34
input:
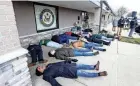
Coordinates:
column 121, row 61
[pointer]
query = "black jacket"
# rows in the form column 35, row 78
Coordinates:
column 61, row 69
column 133, row 23
column 121, row 22
column 64, row 53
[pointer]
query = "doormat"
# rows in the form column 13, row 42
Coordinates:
column 130, row 40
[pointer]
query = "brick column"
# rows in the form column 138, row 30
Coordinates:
column 9, row 39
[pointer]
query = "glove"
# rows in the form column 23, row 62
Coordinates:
column 74, row 60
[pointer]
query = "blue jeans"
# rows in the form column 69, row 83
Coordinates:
column 108, row 39
column 92, row 45
column 81, row 70
column 54, row 44
column 131, row 31
column 83, row 52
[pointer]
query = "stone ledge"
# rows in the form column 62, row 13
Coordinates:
column 12, row 55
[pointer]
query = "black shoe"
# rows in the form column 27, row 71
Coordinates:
column 96, row 53
column 104, row 49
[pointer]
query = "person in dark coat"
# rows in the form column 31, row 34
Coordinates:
column 68, row 70
column 114, row 23
column 36, row 54
column 65, row 53
column 133, row 25
column 120, row 25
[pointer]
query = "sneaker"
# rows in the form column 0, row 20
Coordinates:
column 96, row 53
column 104, row 49
column 97, row 66
column 31, row 64
column 104, row 73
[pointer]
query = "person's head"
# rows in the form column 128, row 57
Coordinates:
column 51, row 53
column 40, row 70
column 122, row 17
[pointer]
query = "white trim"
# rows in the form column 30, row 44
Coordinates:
column 43, row 32
column 12, row 55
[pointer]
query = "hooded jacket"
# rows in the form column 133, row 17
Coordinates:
column 64, row 53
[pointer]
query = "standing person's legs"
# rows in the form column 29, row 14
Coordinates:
column 131, row 32
column 113, row 28
column 120, row 31
column 116, row 28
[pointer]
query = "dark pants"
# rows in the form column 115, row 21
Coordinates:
column 102, row 41
column 63, row 38
column 36, row 53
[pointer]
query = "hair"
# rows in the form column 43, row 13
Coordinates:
column 50, row 55
column 122, row 17
column 38, row 73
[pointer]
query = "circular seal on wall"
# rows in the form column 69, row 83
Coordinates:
column 47, row 17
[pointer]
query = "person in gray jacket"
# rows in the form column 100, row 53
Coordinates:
column 115, row 24
column 65, row 53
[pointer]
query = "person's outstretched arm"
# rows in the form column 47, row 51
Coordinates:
column 51, row 80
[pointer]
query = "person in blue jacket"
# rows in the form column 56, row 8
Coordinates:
column 133, row 25
column 68, row 70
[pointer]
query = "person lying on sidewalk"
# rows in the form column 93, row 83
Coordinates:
column 67, row 70
column 91, row 38
column 65, row 53
column 50, row 43
column 36, row 54
column 88, row 45
column 63, row 38
column 108, row 34
column 102, row 37
column 98, row 36
column 96, row 40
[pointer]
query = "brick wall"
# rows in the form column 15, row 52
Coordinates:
column 9, row 39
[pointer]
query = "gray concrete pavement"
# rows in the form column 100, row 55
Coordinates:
column 121, row 61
